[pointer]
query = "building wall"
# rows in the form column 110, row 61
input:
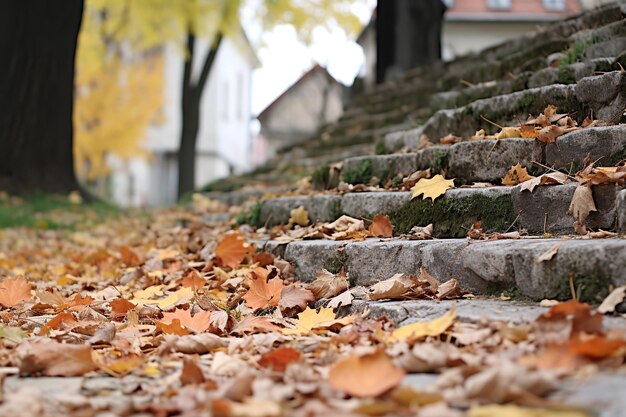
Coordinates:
column 224, row 125
column 297, row 115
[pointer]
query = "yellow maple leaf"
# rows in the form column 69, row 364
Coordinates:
column 299, row 216
column 516, row 175
column 421, row 329
column 508, row 132
column 432, row 188
column 310, row 319
column 183, row 295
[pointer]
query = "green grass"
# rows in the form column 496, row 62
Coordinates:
column 42, row 211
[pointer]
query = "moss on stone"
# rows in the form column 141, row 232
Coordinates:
column 567, row 75
column 575, row 53
column 380, row 148
column 252, row 216
column 453, row 217
column 590, row 288
column 320, row 178
column 335, row 210
column 360, row 173
column 337, row 262
column 621, row 156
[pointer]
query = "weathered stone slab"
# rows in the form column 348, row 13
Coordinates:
column 481, row 161
column 368, row 205
column 483, row 267
column 323, row 208
column 607, row 145
column 383, row 166
column 605, row 94
column 621, row 212
column 545, row 209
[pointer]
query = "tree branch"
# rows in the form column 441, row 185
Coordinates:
column 208, row 62
column 191, row 42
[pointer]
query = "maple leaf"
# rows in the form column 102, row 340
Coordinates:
column 549, row 134
column 615, row 298
column 120, row 306
column 263, row 292
column 328, row 285
column 421, row 329
column 582, row 204
column 365, row 376
column 62, row 319
column 254, row 324
column 508, row 133
column 309, row 319
column 399, row 286
column 199, row 322
column 13, row 291
column 295, row 295
column 381, row 226
column 545, row 179
column 172, row 328
column 193, row 280
column 233, row 249
column 516, row 175
column 191, row 373
column 12, row 334
column 299, row 216
column 432, row 188
column 177, row 297
column 518, row 411
column 528, row 132
column 278, row 359
column 129, row 257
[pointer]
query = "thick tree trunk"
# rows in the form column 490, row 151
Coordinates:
column 37, row 49
column 190, row 106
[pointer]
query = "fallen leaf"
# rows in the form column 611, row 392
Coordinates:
column 422, row 329
column 516, row 175
column 550, row 133
column 193, row 344
column 545, row 179
column 129, row 257
column 199, row 322
column 582, row 204
column 48, row 357
column 12, row 334
column 279, row 359
column 263, row 292
column 615, row 298
column 254, row 324
column 191, row 373
column 327, row 284
column 549, row 254
column 342, row 300
column 177, row 297
column 233, row 249
column 367, row 375
column 399, row 286
column 345, row 227
column 508, row 133
column 172, row 328
column 432, row 188
column 120, row 306
column 295, row 295
column 381, row 226
column 14, row 291
column 299, row 216
column 310, row 319
column 517, row 411
column 193, row 280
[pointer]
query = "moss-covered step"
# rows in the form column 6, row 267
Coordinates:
column 603, row 95
column 484, row 267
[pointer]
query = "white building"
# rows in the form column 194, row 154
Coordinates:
column 224, row 140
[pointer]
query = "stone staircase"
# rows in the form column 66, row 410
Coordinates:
column 576, row 65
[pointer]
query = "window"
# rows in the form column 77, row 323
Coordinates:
column 554, row 4
column 499, row 4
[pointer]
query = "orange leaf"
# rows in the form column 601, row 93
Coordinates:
column 120, row 306
column 278, row 359
column 193, row 280
column 172, row 328
column 232, row 249
column 595, row 347
column 129, row 256
column 381, row 226
column 14, row 291
column 254, row 324
column 76, row 304
column 191, row 374
column 263, row 293
column 57, row 322
column 199, row 323
column 365, row 376
column 295, row 295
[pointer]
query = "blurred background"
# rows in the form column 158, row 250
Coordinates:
column 234, row 81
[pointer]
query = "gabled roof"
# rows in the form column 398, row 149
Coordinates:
column 316, row 68
column 520, row 10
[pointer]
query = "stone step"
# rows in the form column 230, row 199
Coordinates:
column 604, row 96
column 484, row 161
column 498, row 208
column 483, row 267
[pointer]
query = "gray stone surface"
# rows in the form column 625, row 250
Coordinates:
column 605, row 94
column 605, row 394
column 385, row 166
column 368, row 205
column 603, row 144
column 609, row 48
column 621, row 212
column 320, row 207
column 483, row 267
column 543, row 77
column 481, row 161
column 548, row 205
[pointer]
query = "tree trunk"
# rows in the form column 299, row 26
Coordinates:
column 190, row 106
column 38, row 47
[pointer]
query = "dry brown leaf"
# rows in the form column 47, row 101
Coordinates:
column 368, row 375
column 450, row 140
column 327, row 284
column 550, row 133
column 545, row 179
column 381, row 226
column 516, row 175
column 193, row 280
column 549, row 254
column 233, row 249
column 508, row 133
column 310, row 319
column 192, row 344
column 191, row 373
column 48, row 357
column 279, row 359
column 342, row 300
column 582, row 204
column 254, row 324
column 295, row 295
column 14, row 291
column 399, row 286
column 615, row 298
